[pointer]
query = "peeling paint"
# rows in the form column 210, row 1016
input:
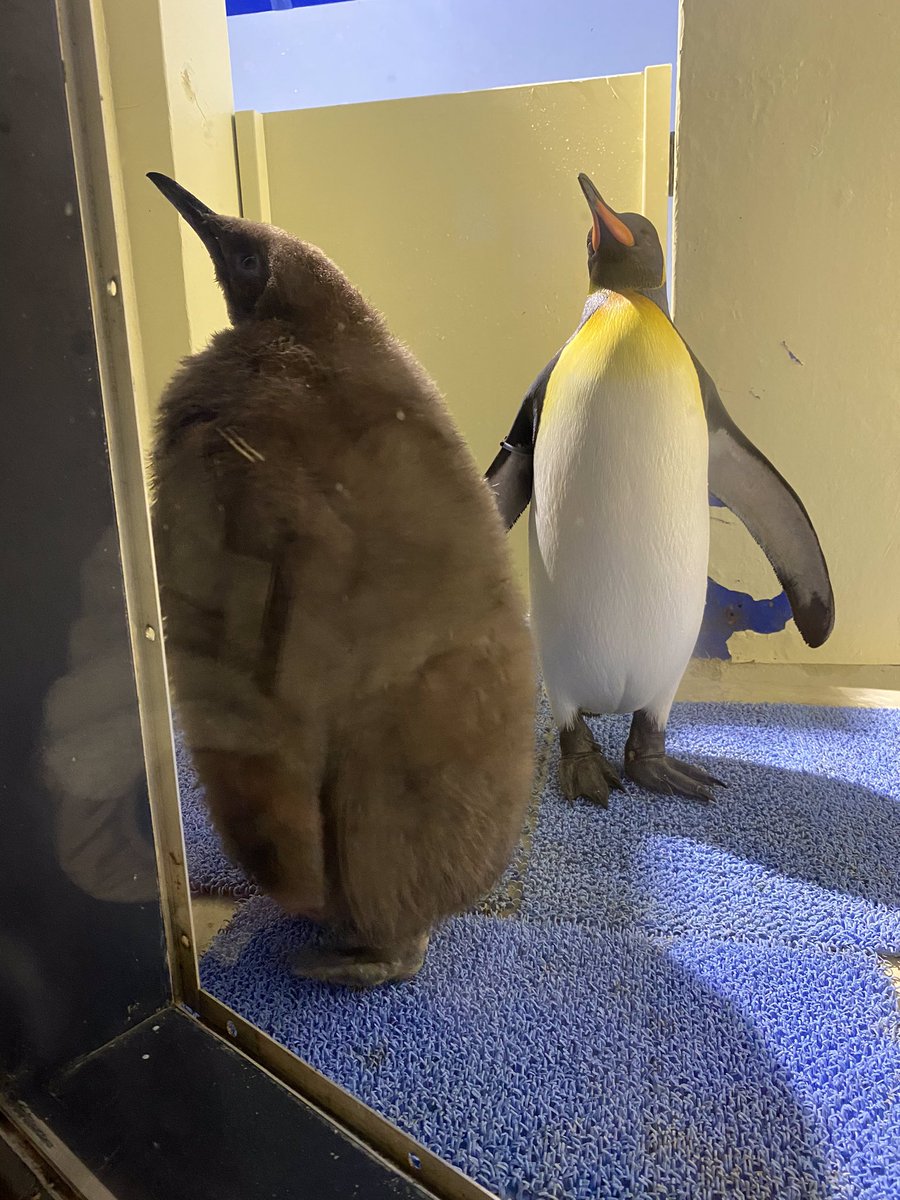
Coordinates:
column 791, row 355
column 729, row 612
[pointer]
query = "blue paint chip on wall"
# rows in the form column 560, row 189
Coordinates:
column 234, row 8
column 729, row 612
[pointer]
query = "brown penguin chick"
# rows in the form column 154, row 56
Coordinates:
column 350, row 661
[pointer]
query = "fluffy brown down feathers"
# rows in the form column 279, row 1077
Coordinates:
column 351, row 666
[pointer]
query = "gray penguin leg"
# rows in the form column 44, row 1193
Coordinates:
column 647, row 763
column 349, row 962
column 584, row 773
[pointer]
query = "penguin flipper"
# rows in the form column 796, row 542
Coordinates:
column 747, row 483
column 511, row 474
column 510, row 477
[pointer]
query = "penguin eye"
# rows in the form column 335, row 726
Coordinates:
column 248, row 264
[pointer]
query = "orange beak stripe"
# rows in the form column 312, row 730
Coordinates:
column 617, row 228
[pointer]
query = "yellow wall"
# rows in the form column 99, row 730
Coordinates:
column 460, row 217
column 171, row 99
column 788, row 239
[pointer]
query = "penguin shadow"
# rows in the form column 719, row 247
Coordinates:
column 778, row 852
column 648, row 853
column 616, row 1091
column 812, row 828
column 785, row 717
column 691, row 1046
column 655, row 1044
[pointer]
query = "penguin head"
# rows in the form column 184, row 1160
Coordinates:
column 263, row 271
column 624, row 250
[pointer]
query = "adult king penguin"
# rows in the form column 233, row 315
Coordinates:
column 617, row 445
column 351, row 665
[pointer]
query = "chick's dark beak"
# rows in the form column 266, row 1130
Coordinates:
column 605, row 220
column 201, row 218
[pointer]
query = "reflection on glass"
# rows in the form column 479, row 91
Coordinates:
column 93, row 760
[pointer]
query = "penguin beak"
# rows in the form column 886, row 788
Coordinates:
column 604, row 217
column 201, row 218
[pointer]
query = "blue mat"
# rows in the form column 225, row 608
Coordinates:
column 680, row 1001
column 803, row 845
column 558, row 1061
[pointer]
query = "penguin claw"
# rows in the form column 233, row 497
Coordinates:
column 588, row 776
column 360, row 967
column 672, row 777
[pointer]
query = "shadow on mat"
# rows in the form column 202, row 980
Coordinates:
column 671, row 864
column 548, row 1061
column 789, row 718
column 780, row 855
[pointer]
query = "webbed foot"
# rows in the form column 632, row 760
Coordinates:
column 648, row 765
column 584, row 771
column 672, row 777
column 361, row 966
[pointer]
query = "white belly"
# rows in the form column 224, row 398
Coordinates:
column 619, row 538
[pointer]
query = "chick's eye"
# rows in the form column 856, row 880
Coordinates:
column 249, row 264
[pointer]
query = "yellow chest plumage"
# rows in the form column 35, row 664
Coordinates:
column 619, row 534
column 625, row 341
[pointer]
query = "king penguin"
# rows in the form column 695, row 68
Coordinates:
column 352, row 670
column 617, row 445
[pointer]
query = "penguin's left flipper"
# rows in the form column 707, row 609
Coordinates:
column 511, row 474
column 747, row 483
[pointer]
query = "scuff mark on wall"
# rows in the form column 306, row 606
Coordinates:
column 187, row 84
